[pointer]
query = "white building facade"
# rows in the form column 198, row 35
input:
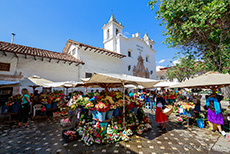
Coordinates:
column 132, row 56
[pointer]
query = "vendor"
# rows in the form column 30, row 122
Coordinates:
column 214, row 113
column 159, row 116
column 71, row 112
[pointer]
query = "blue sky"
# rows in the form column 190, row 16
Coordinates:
column 48, row 24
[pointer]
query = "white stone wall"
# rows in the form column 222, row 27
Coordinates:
column 50, row 70
column 137, row 46
column 97, row 62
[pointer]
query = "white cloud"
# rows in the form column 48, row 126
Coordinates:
column 158, row 68
column 176, row 62
column 126, row 34
column 161, row 61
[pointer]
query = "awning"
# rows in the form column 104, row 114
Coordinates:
column 207, row 80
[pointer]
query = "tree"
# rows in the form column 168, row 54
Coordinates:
column 201, row 28
column 185, row 69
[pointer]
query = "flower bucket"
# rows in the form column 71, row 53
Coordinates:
column 48, row 106
column 43, row 113
column 94, row 114
column 131, row 109
column 54, row 105
column 101, row 116
column 197, row 108
column 5, row 109
column 189, row 113
column 83, row 109
column 15, row 107
column 109, row 114
column 200, row 123
column 121, row 112
column 116, row 112
column 182, row 111
column 104, row 127
column 135, row 110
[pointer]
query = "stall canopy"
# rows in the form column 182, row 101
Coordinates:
column 107, row 80
column 67, row 84
column 208, row 80
column 164, row 84
column 111, row 80
column 34, row 81
column 3, row 83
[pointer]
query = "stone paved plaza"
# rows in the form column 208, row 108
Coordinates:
column 44, row 137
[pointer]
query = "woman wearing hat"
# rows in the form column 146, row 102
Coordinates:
column 159, row 116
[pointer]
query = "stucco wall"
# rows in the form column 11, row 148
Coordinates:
column 50, row 70
column 137, row 47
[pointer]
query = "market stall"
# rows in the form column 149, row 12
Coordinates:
column 123, row 113
column 210, row 80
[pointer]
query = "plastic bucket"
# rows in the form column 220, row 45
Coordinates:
column 43, row 113
column 48, row 106
column 189, row 113
column 15, row 107
column 109, row 114
column 83, row 109
column 104, row 127
column 5, row 109
column 101, row 116
column 94, row 114
column 200, row 123
column 116, row 112
column 54, row 105
column 135, row 110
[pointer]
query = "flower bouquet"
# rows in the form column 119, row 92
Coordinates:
column 10, row 101
column 89, row 105
column 102, row 106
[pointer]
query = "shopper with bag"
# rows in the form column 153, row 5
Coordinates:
column 159, row 115
column 24, row 108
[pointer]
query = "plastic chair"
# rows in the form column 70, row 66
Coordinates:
column 37, row 107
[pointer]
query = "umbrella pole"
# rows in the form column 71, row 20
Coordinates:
column 123, row 84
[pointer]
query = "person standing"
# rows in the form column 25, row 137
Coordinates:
column 24, row 108
column 151, row 100
column 214, row 113
column 159, row 116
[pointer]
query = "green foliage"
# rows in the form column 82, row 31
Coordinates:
column 199, row 28
column 186, row 69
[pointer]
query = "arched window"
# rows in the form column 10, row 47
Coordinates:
column 117, row 31
column 107, row 33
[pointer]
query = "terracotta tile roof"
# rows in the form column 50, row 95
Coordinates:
column 93, row 49
column 20, row 49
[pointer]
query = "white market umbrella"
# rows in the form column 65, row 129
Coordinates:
column 34, row 81
column 110, row 80
column 207, row 80
column 133, row 86
column 164, row 84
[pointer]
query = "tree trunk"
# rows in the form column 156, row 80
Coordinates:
column 226, row 92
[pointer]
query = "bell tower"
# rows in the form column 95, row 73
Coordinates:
column 110, row 32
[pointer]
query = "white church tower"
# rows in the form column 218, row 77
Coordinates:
column 110, row 32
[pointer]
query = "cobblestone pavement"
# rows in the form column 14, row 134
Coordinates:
column 44, row 137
